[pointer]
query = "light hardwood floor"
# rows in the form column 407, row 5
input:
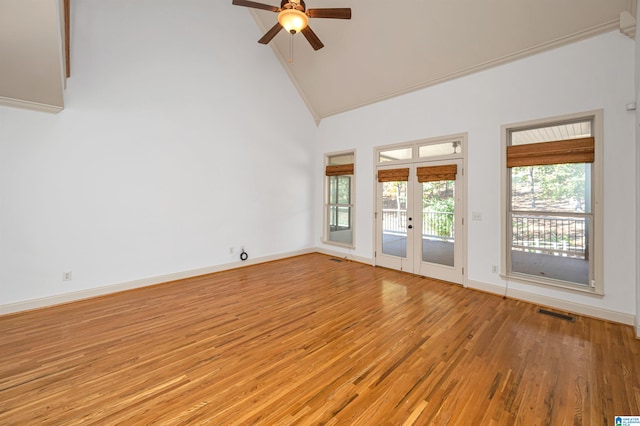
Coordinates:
column 308, row 340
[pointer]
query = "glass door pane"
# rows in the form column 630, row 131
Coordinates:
column 438, row 222
column 394, row 218
column 438, row 209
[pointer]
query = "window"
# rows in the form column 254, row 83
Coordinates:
column 552, row 185
column 398, row 154
column 447, row 149
column 339, row 206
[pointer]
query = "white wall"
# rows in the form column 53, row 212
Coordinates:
column 593, row 74
column 637, row 123
column 172, row 149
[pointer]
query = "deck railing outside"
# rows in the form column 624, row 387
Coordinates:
column 559, row 236
column 436, row 225
column 394, row 221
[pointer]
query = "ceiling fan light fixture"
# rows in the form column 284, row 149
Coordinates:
column 293, row 20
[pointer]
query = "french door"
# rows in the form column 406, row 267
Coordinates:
column 419, row 219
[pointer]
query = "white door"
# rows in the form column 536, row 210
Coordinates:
column 419, row 220
column 394, row 224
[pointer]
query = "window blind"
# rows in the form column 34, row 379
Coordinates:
column 339, row 170
column 556, row 152
column 436, row 173
column 393, row 175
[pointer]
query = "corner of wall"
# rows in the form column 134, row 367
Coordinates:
column 346, row 256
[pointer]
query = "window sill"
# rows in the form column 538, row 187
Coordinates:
column 557, row 284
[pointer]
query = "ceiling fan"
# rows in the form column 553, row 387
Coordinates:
column 293, row 16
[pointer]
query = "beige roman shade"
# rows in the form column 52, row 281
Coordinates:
column 339, row 170
column 436, row 173
column 556, row 152
column 393, row 175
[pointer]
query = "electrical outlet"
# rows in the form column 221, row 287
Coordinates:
column 476, row 216
column 66, row 276
column 494, row 269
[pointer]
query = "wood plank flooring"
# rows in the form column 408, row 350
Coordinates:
column 308, row 340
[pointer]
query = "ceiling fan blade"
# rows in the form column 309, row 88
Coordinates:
column 270, row 34
column 335, row 13
column 253, row 4
column 312, row 38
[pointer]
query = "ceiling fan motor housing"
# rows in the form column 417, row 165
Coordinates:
column 293, row 4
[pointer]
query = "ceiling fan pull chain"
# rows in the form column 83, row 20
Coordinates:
column 291, row 48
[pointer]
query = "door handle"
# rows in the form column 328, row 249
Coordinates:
column 410, row 226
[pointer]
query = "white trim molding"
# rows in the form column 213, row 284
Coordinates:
column 552, row 302
column 628, row 24
column 34, row 106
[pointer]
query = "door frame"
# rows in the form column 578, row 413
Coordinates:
column 414, row 148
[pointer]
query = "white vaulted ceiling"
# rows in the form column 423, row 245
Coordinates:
column 387, row 48
column 394, row 47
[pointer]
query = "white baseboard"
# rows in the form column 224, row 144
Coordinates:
column 130, row 285
column 552, row 302
column 342, row 255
